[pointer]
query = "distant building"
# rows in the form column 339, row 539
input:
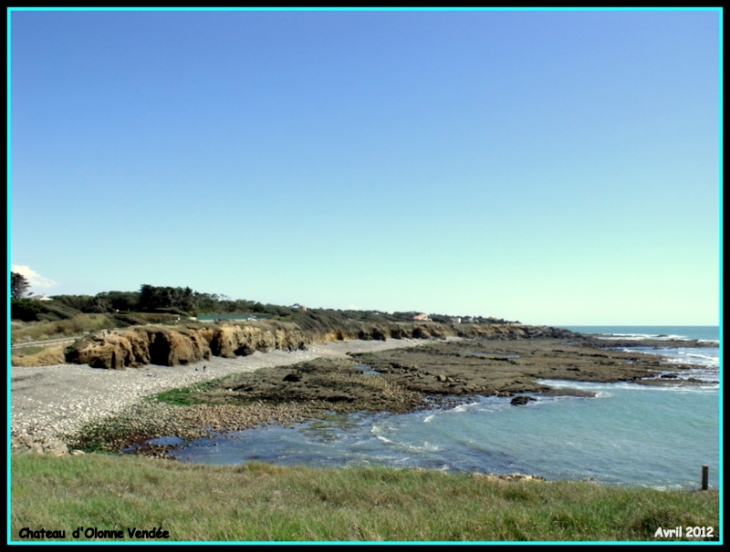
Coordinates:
column 421, row 317
column 455, row 320
column 41, row 298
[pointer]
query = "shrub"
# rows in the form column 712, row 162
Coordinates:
column 26, row 310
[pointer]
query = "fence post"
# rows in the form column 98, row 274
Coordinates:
column 705, row 473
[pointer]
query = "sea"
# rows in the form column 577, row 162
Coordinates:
column 628, row 434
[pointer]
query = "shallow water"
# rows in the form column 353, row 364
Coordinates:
column 627, row 434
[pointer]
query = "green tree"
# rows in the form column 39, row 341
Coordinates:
column 19, row 285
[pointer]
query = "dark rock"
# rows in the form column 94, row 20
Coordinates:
column 521, row 400
column 292, row 377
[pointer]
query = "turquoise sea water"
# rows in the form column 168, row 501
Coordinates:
column 627, row 434
column 711, row 333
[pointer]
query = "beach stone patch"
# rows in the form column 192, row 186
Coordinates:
column 134, row 426
column 29, row 444
column 322, row 384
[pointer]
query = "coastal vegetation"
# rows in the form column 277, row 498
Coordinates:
column 262, row 502
column 187, row 302
column 53, row 329
column 164, row 318
column 38, row 356
column 19, row 285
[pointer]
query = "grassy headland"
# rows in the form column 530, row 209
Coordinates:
column 261, row 502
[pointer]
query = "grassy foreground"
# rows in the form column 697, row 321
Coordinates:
column 261, row 502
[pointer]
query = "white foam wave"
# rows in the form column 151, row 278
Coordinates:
column 426, row 446
column 503, row 404
column 705, row 362
column 607, row 388
column 638, row 337
column 428, row 418
column 463, row 407
column 380, row 428
column 697, row 355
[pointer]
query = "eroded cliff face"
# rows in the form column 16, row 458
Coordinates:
column 141, row 345
column 231, row 340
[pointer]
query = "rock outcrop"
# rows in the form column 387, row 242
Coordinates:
column 142, row 345
column 184, row 344
column 521, row 400
column 231, row 341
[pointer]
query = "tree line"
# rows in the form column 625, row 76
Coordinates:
column 188, row 302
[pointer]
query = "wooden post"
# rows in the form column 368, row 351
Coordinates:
column 705, row 473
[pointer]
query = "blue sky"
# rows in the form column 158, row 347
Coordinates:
column 552, row 167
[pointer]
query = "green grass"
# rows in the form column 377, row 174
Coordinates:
column 27, row 351
column 185, row 396
column 78, row 325
column 261, row 502
column 81, row 324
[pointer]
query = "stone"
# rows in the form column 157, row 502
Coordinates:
column 521, row 400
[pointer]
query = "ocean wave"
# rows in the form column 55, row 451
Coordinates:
column 686, row 355
column 425, row 447
column 704, row 363
column 607, row 388
column 637, row 337
column 698, row 355
column 463, row 407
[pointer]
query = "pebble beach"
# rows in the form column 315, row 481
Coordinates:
column 49, row 402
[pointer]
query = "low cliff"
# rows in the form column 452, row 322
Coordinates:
column 180, row 345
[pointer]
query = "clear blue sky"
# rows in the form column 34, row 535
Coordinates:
column 554, row 167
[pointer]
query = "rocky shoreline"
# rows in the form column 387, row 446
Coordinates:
column 51, row 404
column 48, row 403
